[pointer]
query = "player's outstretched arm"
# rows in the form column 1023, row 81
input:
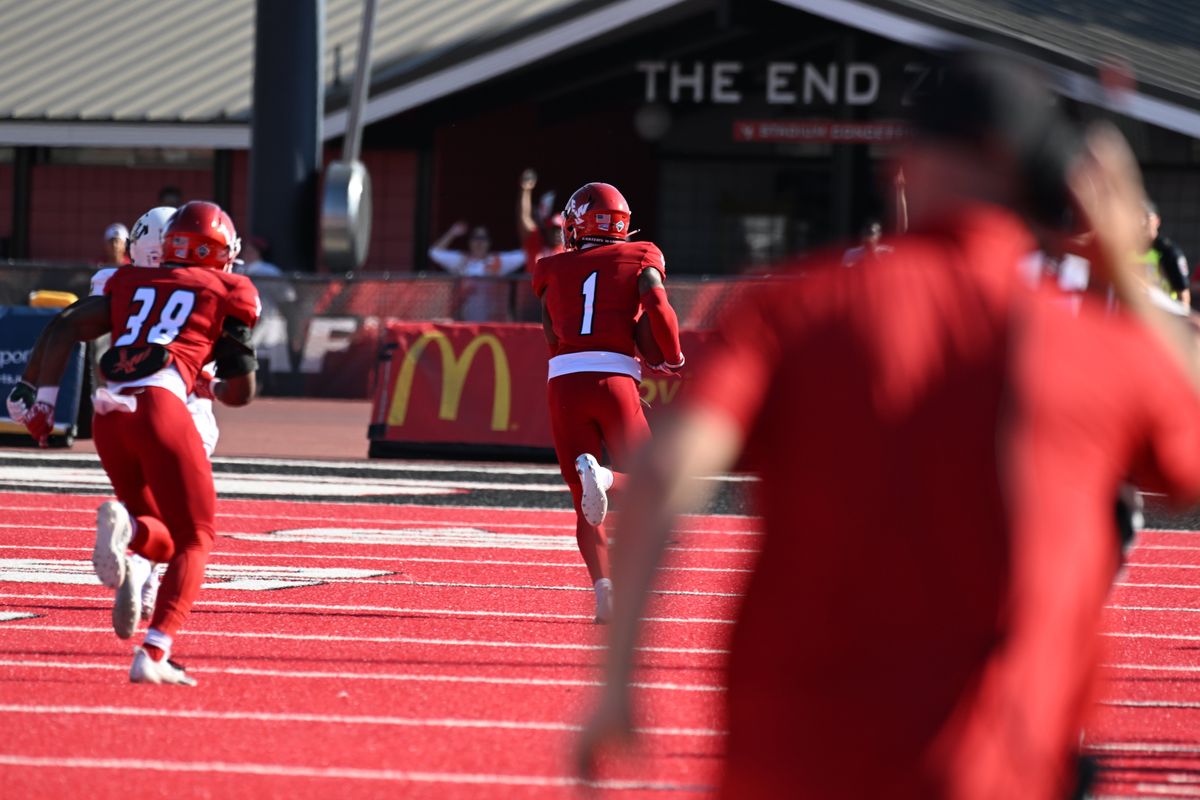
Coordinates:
column 32, row 401
column 661, row 485
column 663, row 321
column 78, row 322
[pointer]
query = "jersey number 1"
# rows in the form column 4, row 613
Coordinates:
column 170, row 320
column 589, row 303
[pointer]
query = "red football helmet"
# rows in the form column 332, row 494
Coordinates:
column 200, row 234
column 597, row 212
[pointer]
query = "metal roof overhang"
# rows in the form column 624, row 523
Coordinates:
column 1069, row 82
column 529, row 49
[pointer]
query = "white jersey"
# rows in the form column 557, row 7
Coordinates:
column 201, row 408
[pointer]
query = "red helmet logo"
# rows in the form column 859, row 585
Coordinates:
column 596, row 213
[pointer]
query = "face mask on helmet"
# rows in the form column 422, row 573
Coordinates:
column 145, row 240
column 200, row 234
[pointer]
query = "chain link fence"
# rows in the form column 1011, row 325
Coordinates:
column 319, row 334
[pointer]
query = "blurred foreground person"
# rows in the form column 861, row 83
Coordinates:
column 166, row 324
column 939, row 446
column 592, row 298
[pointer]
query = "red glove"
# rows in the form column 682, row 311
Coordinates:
column 39, row 421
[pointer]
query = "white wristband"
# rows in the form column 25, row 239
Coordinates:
column 47, row 395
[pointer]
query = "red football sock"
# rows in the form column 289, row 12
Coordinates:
column 155, row 653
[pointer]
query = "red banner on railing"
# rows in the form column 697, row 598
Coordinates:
column 475, row 386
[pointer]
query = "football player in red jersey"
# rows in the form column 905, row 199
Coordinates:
column 166, row 324
column 592, row 296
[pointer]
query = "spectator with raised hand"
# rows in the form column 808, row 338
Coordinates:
column 482, row 299
column 541, row 235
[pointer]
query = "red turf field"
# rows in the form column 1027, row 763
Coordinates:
column 419, row 669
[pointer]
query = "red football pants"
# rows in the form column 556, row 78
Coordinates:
column 589, row 412
column 156, row 462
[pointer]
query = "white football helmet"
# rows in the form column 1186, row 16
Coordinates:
column 145, row 240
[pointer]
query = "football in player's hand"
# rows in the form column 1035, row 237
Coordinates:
column 647, row 348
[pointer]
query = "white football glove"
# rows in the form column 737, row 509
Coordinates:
column 20, row 400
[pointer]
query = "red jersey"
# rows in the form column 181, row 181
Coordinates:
column 183, row 309
column 940, row 449
column 592, row 295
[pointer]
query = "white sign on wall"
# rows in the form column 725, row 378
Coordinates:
column 857, row 83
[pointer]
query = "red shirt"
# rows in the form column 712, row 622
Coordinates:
column 181, row 308
column 535, row 248
column 592, row 295
column 927, row 563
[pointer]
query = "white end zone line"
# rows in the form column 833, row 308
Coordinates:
column 1153, row 667
column 337, row 773
column 1180, row 704
column 309, row 637
column 333, row 719
column 371, row 676
column 398, row 611
column 573, row 564
column 223, row 576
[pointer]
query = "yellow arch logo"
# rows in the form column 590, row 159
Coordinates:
column 454, row 375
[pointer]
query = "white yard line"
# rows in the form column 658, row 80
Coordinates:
column 410, row 640
column 401, row 677
column 398, row 611
column 134, row 765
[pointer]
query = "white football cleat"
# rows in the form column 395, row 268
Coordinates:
column 127, row 609
column 114, row 529
column 129, row 606
column 146, row 670
column 596, row 481
column 604, row 605
column 150, row 593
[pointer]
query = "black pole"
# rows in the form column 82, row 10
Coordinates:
column 223, row 179
column 22, row 190
column 285, row 145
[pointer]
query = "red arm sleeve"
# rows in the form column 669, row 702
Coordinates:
column 242, row 301
column 538, row 274
column 664, row 323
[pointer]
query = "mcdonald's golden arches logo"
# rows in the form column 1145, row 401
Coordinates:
column 454, row 375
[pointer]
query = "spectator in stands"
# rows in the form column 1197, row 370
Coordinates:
column 116, row 245
column 278, row 296
column 1166, row 264
column 481, row 297
column 540, row 235
column 170, row 196
column 870, row 249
